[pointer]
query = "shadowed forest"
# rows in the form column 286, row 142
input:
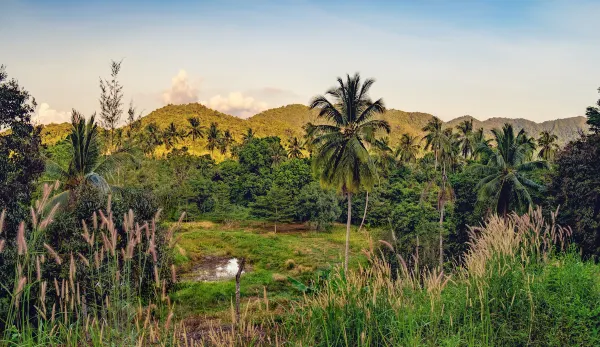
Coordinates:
column 339, row 223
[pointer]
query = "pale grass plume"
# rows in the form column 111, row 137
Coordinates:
column 19, row 290
column 53, row 254
column 2, row 217
column 83, row 259
column 21, row 242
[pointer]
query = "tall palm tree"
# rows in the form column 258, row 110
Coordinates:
column 295, row 148
column 249, row 135
column 435, row 139
column 212, row 136
column 225, row 141
column 465, row 133
column 548, row 145
column 341, row 155
column 408, row 148
column 196, row 130
column 505, row 185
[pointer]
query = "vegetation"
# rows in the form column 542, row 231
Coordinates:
column 358, row 225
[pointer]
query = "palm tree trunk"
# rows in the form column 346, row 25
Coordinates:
column 364, row 214
column 442, row 206
column 347, row 253
column 442, row 235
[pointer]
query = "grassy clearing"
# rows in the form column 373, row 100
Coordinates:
column 271, row 257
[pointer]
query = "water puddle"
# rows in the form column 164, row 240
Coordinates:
column 213, row 269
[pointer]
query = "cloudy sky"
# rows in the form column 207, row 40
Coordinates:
column 498, row 58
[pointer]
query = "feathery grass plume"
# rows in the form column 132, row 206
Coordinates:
column 50, row 217
column 72, row 271
column 21, row 243
column 156, row 277
column 2, row 243
column 169, row 318
column 42, row 295
column 86, row 233
column 95, row 221
column 56, row 288
column 109, row 204
column 2, row 217
column 97, row 260
column 173, row 273
column 83, row 259
column 53, row 253
column 33, row 217
column 20, row 287
column 38, row 268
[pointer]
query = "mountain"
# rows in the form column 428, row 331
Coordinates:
column 566, row 129
column 287, row 121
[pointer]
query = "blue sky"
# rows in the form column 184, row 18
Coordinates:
column 528, row 59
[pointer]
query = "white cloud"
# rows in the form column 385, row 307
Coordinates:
column 47, row 115
column 236, row 104
column 181, row 91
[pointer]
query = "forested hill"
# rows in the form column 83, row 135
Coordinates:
column 288, row 120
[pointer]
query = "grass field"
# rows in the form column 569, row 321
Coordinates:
column 274, row 262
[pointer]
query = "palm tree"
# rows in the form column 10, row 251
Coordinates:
column 225, row 141
column 278, row 153
column 196, row 129
column 504, row 183
column 249, row 135
column 341, row 155
column 171, row 136
column 548, row 145
column 408, row 148
column 213, row 135
column 529, row 143
column 87, row 164
column 435, row 139
column 465, row 134
column 384, row 155
column 295, row 148
column 479, row 140
column 151, row 138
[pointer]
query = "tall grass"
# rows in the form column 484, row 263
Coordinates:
column 516, row 287
column 113, row 292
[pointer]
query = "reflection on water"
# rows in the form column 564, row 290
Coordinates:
column 213, row 270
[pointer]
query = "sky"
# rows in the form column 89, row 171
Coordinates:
column 530, row 59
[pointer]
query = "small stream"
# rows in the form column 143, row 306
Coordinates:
column 213, row 269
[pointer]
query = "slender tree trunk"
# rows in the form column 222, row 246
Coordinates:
column 347, row 253
column 365, row 213
column 442, row 206
column 238, row 276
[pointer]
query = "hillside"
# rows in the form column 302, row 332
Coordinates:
column 566, row 129
column 288, row 120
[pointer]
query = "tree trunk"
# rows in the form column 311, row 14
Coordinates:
column 364, row 214
column 442, row 206
column 237, row 290
column 347, row 253
column 442, row 235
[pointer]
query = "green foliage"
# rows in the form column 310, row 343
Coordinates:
column 317, row 206
column 505, row 187
column 498, row 298
column 276, row 206
column 575, row 187
column 593, row 117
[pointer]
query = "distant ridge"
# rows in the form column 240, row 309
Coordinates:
column 287, row 121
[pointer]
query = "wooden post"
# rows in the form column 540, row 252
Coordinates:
column 237, row 290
